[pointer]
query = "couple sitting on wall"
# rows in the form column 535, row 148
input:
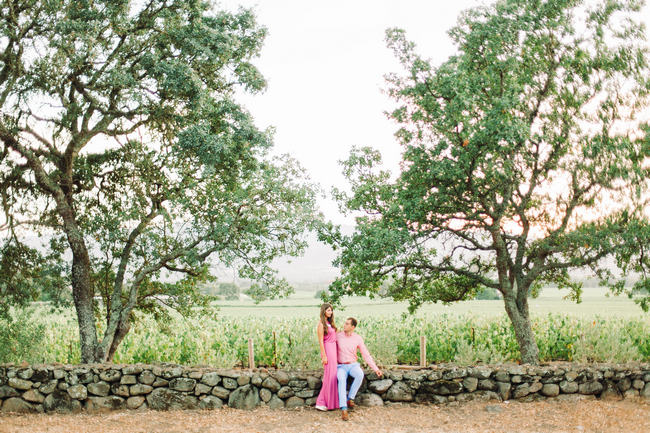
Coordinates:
column 338, row 352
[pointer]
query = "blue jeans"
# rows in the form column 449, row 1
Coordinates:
column 342, row 373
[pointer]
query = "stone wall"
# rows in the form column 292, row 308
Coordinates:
column 73, row 388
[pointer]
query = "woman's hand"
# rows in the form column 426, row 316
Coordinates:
column 324, row 359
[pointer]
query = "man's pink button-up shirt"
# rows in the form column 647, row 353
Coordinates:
column 347, row 349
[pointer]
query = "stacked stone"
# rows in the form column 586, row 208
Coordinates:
column 66, row 389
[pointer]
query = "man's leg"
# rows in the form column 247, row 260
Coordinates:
column 357, row 373
column 342, row 380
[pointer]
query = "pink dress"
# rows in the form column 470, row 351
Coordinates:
column 329, row 396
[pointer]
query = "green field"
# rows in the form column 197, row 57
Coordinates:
column 598, row 329
column 303, row 304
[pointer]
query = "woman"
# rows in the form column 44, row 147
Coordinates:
column 326, row 330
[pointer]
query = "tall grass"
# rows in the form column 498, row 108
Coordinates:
column 223, row 341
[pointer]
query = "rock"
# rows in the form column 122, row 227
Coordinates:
column 285, row 392
column 58, row 374
column 588, row 388
column 568, row 387
column 480, row 372
column 610, row 392
column 20, row 384
column 646, row 391
column 470, row 383
column 314, row 382
column 25, row 373
column 631, row 394
column 243, row 380
column 135, row 402
column 182, row 384
column 100, row 389
column 211, row 379
column 534, row 387
column 201, row 389
column 160, row 382
column 49, row 387
column 256, row 380
column 310, row 401
column 504, row 390
column 196, row 375
column 109, row 375
column 551, row 390
column 62, row 386
column 571, row 375
column 574, row 397
column 429, row 398
column 380, row 386
column 516, row 370
column 521, row 391
column 455, row 373
column 638, row 384
column 211, row 402
column 487, row 385
column 276, row 403
column 307, row 393
column 297, row 384
column 7, row 391
column 121, row 390
column 441, row 387
column 104, row 404
column 146, row 377
column 624, row 384
column 61, row 402
column 399, row 391
column 220, row 392
column 272, row 384
column 229, row 383
column 33, row 396
column 246, row 397
column 293, row 402
column 433, row 376
column 502, row 376
column 131, row 369
column 128, row 380
column 281, row 377
column 86, row 378
column 78, row 392
column 171, row 373
column 369, row 399
column 166, row 399
column 140, row 389
column 416, row 375
column 18, row 405
column 516, row 379
column 265, row 395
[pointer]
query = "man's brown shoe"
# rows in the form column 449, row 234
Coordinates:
column 344, row 415
column 351, row 404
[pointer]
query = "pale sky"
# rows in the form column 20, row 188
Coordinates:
column 325, row 63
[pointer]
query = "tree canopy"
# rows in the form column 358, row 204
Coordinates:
column 525, row 156
column 123, row 146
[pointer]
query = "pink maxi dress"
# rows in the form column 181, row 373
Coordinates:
column 329, row 396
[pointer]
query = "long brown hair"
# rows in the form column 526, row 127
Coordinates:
column 324, row 320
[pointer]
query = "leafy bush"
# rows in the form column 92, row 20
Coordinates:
column 20, row 338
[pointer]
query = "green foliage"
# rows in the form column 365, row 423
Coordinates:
column 488, row 293
column 142, row 164
column 21, row 337
column 466, row 339
column 513, row 157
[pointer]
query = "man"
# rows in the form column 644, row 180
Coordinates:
column 347, row 344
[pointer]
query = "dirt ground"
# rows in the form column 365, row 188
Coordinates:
column 545, row 416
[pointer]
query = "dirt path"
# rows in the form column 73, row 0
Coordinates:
column 546, row 416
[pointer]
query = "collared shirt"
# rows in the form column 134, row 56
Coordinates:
column 347, row 349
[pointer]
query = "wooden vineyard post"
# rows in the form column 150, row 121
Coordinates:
column 251, row 355
column 423, row 351
column 275, row 351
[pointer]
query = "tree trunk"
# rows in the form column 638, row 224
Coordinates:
column 518, row 314
column 82, row 293
column 121, row 332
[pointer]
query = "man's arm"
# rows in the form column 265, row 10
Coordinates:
column 368, row 358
